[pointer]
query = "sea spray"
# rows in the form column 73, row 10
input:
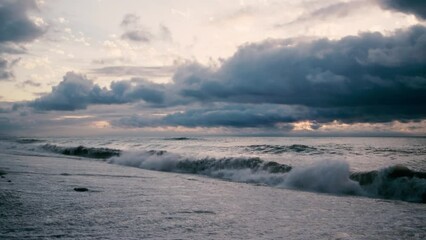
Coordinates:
column 325, row 176
column 151, row 160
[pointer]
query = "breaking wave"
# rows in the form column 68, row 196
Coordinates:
column 81, row 151
column 170, row 162
column 328, row 176
column 325, row 176
column 397, row 182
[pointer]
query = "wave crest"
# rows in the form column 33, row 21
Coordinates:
column 395, row 182
column 81, row 151
column 166, row 161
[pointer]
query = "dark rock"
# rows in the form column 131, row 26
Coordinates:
column 9, row 180
column 81, row 189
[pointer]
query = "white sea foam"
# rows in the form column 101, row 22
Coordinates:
column 151, row 160
column 325, row 176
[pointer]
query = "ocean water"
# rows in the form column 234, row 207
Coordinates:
column 213, row 188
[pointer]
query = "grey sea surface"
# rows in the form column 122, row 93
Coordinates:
column 209, row 188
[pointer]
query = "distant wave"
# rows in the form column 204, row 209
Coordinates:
column 29, row 140
column 180, row 138
column 334, row 150
column 278, row 149
column 399, row 151
column 81, row 151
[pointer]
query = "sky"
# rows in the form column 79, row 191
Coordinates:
column 213, row 67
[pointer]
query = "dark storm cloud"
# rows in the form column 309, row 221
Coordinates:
column 74, row 92
column 416, row 7
column 231, row 116
column 77, row 92
column 15, row 27
column 125, row 91
column 366, row 70
column 15, row 24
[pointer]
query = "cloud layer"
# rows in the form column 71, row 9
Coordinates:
column 366, row 78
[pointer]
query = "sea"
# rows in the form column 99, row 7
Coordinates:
column 229, row 187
